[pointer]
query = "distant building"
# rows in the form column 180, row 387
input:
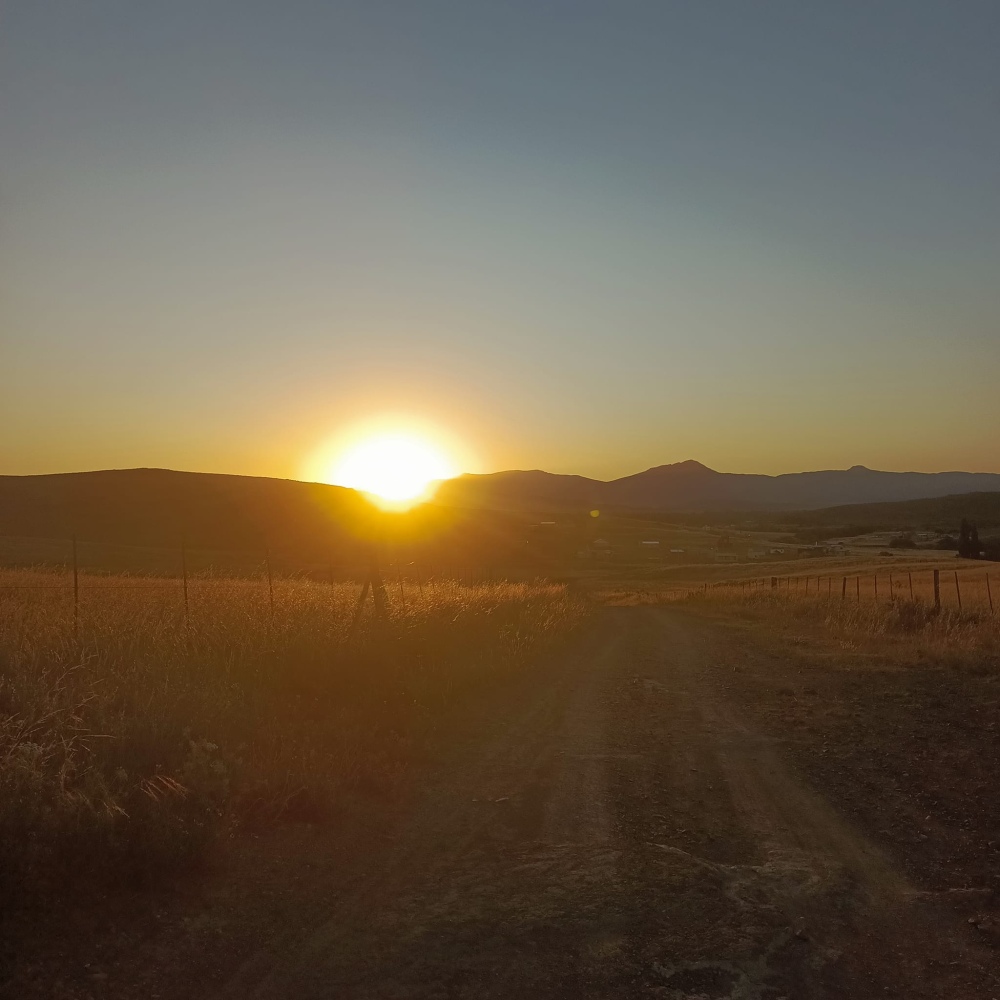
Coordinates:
column 726, row 557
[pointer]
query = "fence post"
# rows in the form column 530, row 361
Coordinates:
column 891, row 594
column 774, row 582
column 399, row 577
column 909, row 574
column 958, row 591
column 184, row 580
column 843, row 589
column 76, row 593
column 937, row 590
column 875, row 577
column 989, row 593
column 857, row 587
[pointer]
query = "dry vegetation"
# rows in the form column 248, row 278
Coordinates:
column 887, row 603
column 911, row 629
column 130, row 742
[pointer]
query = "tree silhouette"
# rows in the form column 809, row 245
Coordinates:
column 969, row 546
column 964, row 539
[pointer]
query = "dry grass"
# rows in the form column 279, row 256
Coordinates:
column 885, row 604
column 866, row 578
column 904, row 629
column 130, row 741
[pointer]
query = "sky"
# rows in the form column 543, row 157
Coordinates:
column 589, row 237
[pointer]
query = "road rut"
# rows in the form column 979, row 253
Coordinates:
column 626, row 831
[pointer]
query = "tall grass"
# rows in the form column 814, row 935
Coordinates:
column 908, row 626
column 131, row 737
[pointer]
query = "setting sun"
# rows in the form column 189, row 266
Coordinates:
column 395, row 467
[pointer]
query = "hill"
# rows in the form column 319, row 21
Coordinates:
column 297, row 522
column 689, row 486
column 302, row 524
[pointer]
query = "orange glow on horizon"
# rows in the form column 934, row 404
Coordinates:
column 396, row 463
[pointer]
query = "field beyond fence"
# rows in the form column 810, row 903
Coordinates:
column 139, row 719
column 972, row 589
column 949, row 613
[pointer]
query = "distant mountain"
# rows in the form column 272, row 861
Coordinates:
column 293, row 521
column 471, row 514
column 693, row 486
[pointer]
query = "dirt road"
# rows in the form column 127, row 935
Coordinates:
column 622, row 829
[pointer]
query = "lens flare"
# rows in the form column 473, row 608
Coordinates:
column 396, row 467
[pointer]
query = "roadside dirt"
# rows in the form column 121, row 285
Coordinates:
column 668, row 811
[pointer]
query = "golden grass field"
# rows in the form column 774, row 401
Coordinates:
column 133, row 735
column 870, row 577
column 856, row 600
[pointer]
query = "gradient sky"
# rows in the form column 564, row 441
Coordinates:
column 584, row 236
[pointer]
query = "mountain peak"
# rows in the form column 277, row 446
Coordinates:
column 690, row 467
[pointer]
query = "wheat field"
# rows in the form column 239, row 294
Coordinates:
column 133, row 733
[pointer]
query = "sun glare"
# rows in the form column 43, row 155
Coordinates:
column 396, row 468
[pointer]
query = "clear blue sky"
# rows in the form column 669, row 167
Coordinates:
column 588, row 237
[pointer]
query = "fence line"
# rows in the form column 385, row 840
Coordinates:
column 978, row 590
column 80, row 584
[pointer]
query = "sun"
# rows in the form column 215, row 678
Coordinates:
column 395, row 468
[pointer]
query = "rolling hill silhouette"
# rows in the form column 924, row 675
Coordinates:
column 690, row 486
column 159, row 506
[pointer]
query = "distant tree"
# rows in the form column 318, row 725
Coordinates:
column 963, row 539
column 903, row 541
column 969, row 546
column 946, row 542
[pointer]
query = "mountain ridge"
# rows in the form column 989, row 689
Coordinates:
column 690, row 485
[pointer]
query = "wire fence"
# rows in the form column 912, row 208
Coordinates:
column 971, row 589
column 183, row 580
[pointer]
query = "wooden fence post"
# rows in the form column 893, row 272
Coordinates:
column 937, row 590
column 843, row 589
column 399, row 577
column 76, row 593
column 958, row 591
column 875, row 577
column 184, row 582
column 989, row 593
column 358, row 608
column 890, row 588
column 910, row 575
column 857, row 587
